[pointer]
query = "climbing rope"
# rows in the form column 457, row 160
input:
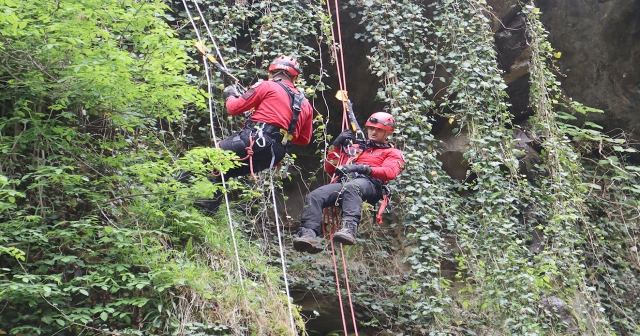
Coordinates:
column 249, row 156
column 284, row 264
column 210, row 102
column 224, row 185
column 331, row 215
column 339, row 60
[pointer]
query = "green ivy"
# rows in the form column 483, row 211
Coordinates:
column 443, row 61
column 95, row 234
column 587, row 187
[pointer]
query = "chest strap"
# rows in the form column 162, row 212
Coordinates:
column 295, row 101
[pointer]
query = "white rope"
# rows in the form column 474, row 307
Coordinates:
column 284, row 264
column 193, row 23
column 224, row 185
column 215, row 140
column 273, row 193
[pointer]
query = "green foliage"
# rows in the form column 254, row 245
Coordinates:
column 95, row 234
column 599, row 189
column 398, row 55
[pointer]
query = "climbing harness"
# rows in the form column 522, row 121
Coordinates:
column 296, row 101
column 222, row 67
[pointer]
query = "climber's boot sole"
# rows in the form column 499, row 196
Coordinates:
column 302, row 244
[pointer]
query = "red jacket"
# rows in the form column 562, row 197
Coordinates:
column 272, row 106
column 386, row 163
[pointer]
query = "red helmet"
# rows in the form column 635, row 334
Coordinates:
column 287, row 64
column 381, row 120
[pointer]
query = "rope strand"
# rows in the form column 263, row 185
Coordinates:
column 341, row 84
column 213, row 40
column 330, row 215
column 224, row 185
column 210, row 102
column 346, row 281
column 284, row 264
column 249, row 156
column 335, row 271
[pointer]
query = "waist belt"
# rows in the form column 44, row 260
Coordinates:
column 275, row 132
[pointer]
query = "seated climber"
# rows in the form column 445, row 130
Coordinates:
column 376, row 163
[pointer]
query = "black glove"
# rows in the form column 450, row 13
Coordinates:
column 341, row 140
column 353, row 168
column 230, row 91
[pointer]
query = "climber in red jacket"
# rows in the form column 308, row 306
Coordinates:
column 377, row 162
column 281, row 116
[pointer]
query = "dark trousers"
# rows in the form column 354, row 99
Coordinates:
column 264, row 157
column 349, row 197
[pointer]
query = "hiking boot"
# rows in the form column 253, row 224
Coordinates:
column 306, row 241
column 347, row 234
column 209, row 206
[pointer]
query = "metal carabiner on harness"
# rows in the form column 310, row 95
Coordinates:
column 260, row 141
column 350, row 150
column 386, row 190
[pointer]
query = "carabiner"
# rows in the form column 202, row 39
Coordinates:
column 351, row 151
column 260, row 141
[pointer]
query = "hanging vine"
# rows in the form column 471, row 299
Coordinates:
column 580, row 232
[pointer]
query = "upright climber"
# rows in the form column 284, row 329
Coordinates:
column 377, row 163
column 281, row 116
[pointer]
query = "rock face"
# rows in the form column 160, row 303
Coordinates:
column 452, row 148
column 557, row 309
column 600, row 45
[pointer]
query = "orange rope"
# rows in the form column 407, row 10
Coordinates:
column 331, row 216
column 339, row 61
column 249, row 156
column 335, row 271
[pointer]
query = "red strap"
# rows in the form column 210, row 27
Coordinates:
column 331, row 214
column 385, row 201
